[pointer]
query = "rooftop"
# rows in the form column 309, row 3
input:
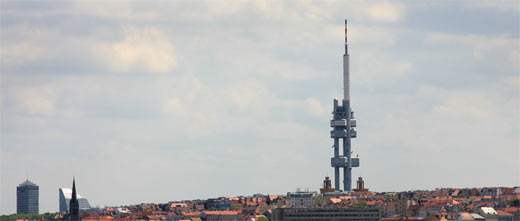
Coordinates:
column 221, row 213
column 27, row 183
column 67, row 192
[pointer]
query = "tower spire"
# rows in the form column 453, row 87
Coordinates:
column 74, row 204
column 73, row 197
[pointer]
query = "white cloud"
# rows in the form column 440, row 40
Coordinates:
column 386, row 12
column 123, row 11
column 359, row 34
column 504, row 5
column 380, row 35
column 512, row 82
column 23, row 44
column 19, row 54
column 481, row 46
column 35, row 101
column 387, row 67
column 173, row 106
column 315, row 108
column 441, row 129
column 459, row 104
column 251, row 97
column 223, row 8
column 146, row 48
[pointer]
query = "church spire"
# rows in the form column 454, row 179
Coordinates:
column 74, row 197
column 74, row 204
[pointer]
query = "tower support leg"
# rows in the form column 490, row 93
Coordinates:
column 336, row 169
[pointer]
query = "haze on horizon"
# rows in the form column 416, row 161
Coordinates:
column 160, row 101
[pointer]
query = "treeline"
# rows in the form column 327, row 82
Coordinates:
column 36, row 216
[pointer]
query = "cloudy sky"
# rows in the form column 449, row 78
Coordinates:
column 159, row 101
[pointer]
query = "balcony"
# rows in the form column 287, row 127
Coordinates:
column 338, row 123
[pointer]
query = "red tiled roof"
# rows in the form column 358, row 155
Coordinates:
column 254, row 216
column 191, row 213
column 106, row 218
column 455, row 193
column 90, row 216
column 335, row 200
column 178, row 205
column 511, row 209
column 221, row 213
column 507, row 190
column 503, row 213
column 465, row 215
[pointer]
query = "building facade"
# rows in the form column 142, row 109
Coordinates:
column 218, row 204
column 352, row 213
column 27, row 198
column 301, row 199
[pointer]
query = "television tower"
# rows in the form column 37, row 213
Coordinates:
column 343, row 124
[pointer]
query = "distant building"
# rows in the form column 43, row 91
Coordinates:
column 352, row 213
column 301, row 199
column 218, row 204
column 388, row 209
column 121, row 211
column 27, row 196
column 65, row 194
column 221, row 216
column 491, row 214
column 361, row 185
column 491, row 191
column 327, row 186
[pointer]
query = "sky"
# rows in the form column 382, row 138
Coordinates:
column 156, row 101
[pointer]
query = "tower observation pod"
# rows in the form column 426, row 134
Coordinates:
column 343, row 124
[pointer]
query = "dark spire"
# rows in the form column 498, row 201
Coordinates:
column 74, row 197
column 74, row 204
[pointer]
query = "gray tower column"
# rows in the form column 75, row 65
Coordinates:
column 336, row 169
column 347, row 171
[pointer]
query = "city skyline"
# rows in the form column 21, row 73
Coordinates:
column 155, row 102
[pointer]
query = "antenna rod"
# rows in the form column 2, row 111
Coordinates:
column 346, row 69
column 346, row 32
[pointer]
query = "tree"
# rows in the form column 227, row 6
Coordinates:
column 361, row 204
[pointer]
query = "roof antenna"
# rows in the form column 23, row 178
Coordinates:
column 345, row 31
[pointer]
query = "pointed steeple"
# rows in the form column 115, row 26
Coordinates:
column 74, row 197
column 74, row 204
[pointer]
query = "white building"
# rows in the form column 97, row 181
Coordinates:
column 65, row 194
column 121, row 211
column 301, row 199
